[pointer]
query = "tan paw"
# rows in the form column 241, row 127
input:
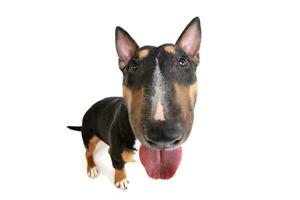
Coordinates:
column 92, row 172
column 122, row 184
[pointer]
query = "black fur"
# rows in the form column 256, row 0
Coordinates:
column 109, row 119
column 75, row 128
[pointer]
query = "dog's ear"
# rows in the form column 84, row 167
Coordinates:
column 190, row 38
column 125, row 45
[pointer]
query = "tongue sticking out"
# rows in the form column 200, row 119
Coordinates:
column 160, row 163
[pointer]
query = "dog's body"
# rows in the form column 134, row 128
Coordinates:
column 107, row 120
column 159, row 89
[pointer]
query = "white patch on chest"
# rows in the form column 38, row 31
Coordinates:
column 159, row 92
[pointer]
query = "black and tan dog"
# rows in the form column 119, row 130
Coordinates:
column 160, row 90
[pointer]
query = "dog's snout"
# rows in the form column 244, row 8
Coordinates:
column 164, row 135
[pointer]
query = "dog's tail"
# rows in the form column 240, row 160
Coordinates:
column 75, row 128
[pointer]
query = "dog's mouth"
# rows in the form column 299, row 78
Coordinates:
column 160, row 150
column 160, row 163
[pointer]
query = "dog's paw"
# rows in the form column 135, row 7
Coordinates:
column 93, row 172
column 122, row 184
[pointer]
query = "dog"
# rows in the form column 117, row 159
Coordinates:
column 157, row 107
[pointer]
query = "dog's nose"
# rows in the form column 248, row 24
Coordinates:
column 163, row 142
column 165, row 135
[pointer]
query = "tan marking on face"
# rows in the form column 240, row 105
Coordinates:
column 128, row 156
column 90, row 152
column 193, row 90
column 186, row 98
column 170, row 49
column 119, row 175
column 143, row 53
column 127, row 94
column 135, row 105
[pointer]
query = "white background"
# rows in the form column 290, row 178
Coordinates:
column 58, row 57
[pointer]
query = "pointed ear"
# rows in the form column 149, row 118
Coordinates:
column 190, row 38
column 125, row 45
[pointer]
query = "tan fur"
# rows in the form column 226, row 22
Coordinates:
column 119, row 175
column 143, row 53
column 186, row 97
column 90, row 151
column 170, row 49
column 128, row 156
column 128, row 97
column 193, row 89
column 135, row 105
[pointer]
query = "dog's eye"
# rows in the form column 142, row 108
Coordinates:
column 183, row 62
column 133, row 66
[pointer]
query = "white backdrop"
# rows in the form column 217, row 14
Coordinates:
column 58, row 57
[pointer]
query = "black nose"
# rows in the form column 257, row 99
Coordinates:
column 163, row 134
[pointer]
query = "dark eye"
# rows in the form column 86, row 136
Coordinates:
column 133, row 66
column 183, row 62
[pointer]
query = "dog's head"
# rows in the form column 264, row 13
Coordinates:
column 160, row 86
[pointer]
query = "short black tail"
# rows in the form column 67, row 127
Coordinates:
column 75, row 128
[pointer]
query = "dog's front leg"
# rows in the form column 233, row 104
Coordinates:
column 121, row 180
column 119, row 160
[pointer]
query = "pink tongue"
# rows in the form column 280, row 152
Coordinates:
column 160, row 163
